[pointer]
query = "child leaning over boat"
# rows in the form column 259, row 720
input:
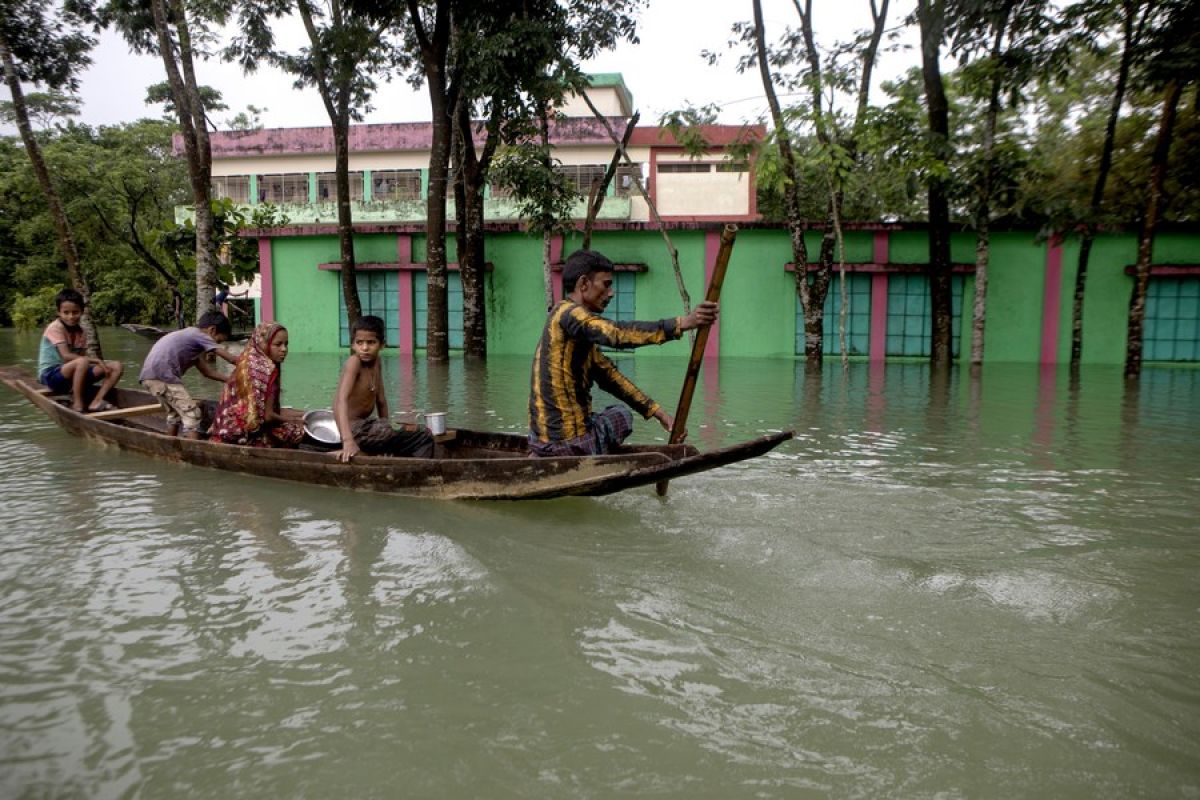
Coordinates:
column 360, row 392
column 249, row 411
column 176, row 353
column 63, row 364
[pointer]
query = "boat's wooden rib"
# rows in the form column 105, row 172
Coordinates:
column 475, row 465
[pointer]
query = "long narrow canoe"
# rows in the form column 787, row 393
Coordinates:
column 467, row 465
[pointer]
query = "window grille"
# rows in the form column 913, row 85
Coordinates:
column 858, row 317
column 1172, row 328
column 234, row 187
column 454, row 303
column 909, row 329
column 378, row 294
column 396, row 184
column 286, row 188
column 327, row 186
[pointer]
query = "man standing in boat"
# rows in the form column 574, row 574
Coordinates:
column 568, row 361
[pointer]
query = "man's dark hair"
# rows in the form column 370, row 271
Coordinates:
column 583, row 262
column 371, row 324
column 215, row 319
column 68, row 296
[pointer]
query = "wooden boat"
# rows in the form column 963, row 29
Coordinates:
column 467, row 465
column 151, row 332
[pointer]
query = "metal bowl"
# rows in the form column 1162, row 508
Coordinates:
column 321, row 426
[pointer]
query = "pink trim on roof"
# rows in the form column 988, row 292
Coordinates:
column 714, row 135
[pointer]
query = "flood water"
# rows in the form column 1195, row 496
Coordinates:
column 971, row 589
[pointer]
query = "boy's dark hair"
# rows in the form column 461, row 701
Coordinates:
column 215, row 319
column 68, row 296
column 371, row 324
column 583, row 262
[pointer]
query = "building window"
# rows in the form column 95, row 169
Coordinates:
column 1172, row 331
column 908, row 322
column 858, row 317
column 378, row 294
column 327, row 186
column 621, row 307
column 683, row 166
column 582, row 177
column 290, row 188
column 234, row 187
column 624, row 181
column 396, row 184
column 454, row 300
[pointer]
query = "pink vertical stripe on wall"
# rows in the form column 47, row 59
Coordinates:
column 404, row 288
column 879, row 299
column 556, row 257
column 1052, row 302
column 712, row 245
column 408, row 325
column 266, row 281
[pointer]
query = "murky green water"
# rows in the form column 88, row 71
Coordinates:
column 972, row 590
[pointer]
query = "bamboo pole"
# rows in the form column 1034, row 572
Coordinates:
column 679, row 427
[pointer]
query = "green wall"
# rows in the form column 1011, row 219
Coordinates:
column 758, row 314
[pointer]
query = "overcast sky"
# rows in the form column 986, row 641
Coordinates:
column 664, row 71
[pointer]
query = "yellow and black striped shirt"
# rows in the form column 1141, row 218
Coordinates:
column 568, row 361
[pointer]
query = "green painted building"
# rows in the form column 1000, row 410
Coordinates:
column 1030, row 290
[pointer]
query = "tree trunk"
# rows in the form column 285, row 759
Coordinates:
column 341, row 151
column 185, row 92
column 791, row 200
column 469, row 211
column 66, row 236
column 984, row 211
column 930, row 16
column 1106, row 156
column 1154, row 201
column 437, row 324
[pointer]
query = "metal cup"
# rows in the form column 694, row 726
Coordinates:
column 435, row 422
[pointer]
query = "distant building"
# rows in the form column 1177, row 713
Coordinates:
column 1029, row 288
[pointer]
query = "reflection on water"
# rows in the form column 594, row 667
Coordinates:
column 979, row 588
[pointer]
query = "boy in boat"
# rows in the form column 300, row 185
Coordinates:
column 360, row 392
column 176, row 353
column 568, row 361
column 63, row 364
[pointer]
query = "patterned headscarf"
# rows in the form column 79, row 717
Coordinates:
column 253, row 385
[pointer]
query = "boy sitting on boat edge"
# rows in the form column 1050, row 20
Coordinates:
column 63, row 364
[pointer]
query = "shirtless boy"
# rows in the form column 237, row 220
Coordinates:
column 360, row 392
column 63, row 364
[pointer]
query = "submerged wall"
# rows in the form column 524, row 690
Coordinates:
column 1030, row 287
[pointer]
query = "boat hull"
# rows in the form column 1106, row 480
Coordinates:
column 468, row 465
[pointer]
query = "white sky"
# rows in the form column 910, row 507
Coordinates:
column 663, row 72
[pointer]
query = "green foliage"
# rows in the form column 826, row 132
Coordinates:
column 545, row 198
column 237, row 254
column 119, row 185
column 32, row 311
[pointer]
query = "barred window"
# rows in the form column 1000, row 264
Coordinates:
column 909, row 330
column 1172, row 330
column 286, row 188
column 396, row 184
column 234, row 187
column 624, row 180
column 582, row 176
column 684, row 166
column 327, row 186
column 858, row 316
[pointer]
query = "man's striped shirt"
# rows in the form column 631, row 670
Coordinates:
column 568, row 362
